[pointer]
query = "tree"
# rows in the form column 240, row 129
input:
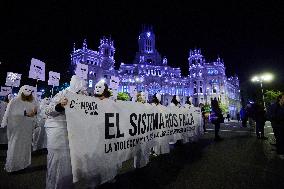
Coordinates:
column 224, row 108
column 122, row 96
column 270, row 96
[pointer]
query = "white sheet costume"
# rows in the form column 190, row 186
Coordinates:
column 19, row 131
column 39, row 134
column 59, row 172
column 3, row 131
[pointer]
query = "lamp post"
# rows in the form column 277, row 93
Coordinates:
column 260, row 79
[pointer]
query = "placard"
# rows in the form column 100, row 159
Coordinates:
column 54, row 78
column 13, row 79
column 37, row 70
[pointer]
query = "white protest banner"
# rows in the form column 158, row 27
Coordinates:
column 37, row 70
column 13, row 79
column 82, row 70
column 5, row 91
column 54, row 78
column 103, row 133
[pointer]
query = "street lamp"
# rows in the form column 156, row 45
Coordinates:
column 262, row 78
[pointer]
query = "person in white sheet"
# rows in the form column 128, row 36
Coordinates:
column 3, row 131
column 20, row 121
column 39, row 134
column 59, row 171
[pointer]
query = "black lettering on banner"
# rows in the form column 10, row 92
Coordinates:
column 180, row 116
column 175, row 121
column 133, row 131
column 155, row 121
column 109, row 149
column 144, row 124
column 83, row 105
column 108, row 125
column 167, row 120
column 117, row 127
column 192, row 120
column 149, row 121
column 71, row 103
column 161, row 121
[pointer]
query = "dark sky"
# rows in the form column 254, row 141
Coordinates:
column 247, row 35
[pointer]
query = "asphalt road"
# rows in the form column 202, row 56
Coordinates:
column 239, row 161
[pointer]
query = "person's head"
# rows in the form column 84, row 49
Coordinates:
column 141, row 97
column 214, row 104
column 25, row 93
column 188, row 100
column 175, row 100
column 280, row 99
column 101, row 90
column 77, row 84
column 157, row 98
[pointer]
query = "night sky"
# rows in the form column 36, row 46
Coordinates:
column 248, row 36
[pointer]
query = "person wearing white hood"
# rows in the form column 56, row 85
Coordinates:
column 20, row 121
column 59, row 172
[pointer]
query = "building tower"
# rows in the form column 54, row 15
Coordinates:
column 107, row 50
column 147, row 52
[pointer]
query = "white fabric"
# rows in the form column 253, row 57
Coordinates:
column 59, row 173
column 26, row 90
column 3, row 131
column 39, row 134
column 77, row 84
column 58, row 165
column 93, row 127
column 19, row 134
column 159, row 97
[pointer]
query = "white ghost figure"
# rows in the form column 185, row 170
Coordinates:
column 77, row 84
column 26, row 90
column 99, row 87
column 159, row 97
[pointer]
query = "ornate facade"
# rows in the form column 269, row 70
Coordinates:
column 150, row 71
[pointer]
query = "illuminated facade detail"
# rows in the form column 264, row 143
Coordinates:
column 149, row 71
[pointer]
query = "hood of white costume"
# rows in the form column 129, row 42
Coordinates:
column 77, row 84
column 26, row 90
column 99, row 87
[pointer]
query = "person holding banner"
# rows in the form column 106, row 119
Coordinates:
column 20, row 121
column 59, row 172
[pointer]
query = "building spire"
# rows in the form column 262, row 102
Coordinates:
column 85, row 44
column 74, row 47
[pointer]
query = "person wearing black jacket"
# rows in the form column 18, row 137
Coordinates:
column 260, row 118
column 217, row 118
column 277, row 123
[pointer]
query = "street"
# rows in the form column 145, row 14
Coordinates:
column 239, row 161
